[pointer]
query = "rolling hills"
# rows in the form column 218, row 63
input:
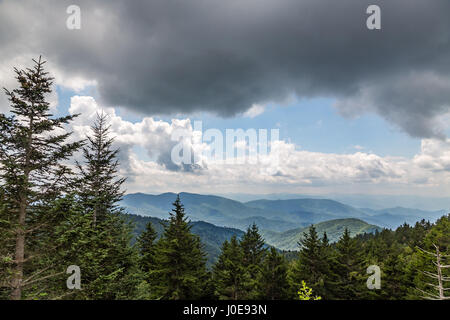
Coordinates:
column 273, row 215
column 278, row 215
column 288, row 240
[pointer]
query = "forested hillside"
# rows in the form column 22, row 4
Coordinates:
column 288, row 240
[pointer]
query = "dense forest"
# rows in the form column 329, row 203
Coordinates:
column 55, row 214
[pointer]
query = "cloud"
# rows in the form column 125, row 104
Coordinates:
column 165, row 57
column 254, row 111
column 152, row 136
column 434, row 156
column 146, row 148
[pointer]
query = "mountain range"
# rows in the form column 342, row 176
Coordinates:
column 281, row 222
column 274, row 215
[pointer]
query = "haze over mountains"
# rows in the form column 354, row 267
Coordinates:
column 377, row 202
column 274, row 215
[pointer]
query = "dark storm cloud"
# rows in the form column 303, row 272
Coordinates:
column 168, row 56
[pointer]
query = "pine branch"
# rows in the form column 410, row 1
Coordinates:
column 43, row 278
column 36, row 274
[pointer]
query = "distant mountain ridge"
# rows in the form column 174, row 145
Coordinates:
column 221, row 211
column 394, row 217
column 213, row 209
column 288, row 240
column 274, row 215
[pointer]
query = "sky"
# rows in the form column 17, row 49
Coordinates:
column 358, row 110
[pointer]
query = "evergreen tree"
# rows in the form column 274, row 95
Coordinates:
column 312, row 266
column 180, row 271
column 253, row 256
column 100, row 188
column 33, row 145
column 106, row 257
column 431, row 264
column 146, row 244
column 272, row 282
column 253, row 247
column 349, row 267
column 229, row 273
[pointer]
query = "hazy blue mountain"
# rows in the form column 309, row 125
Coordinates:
column 274, row 215
column 288, row 240
column 295, row 207
column 358, row 200
column 213, row 209
column 401, row 211
column 210, row 235
column 394, row 217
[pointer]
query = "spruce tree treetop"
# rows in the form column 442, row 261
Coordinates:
column 252, row 244
column 32, row 173
column 229, row 273
column 100, row 188
column 178, row 215
column 147, row 238
column 310, row 241
column 180, row 263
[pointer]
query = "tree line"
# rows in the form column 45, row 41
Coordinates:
column 54, row 214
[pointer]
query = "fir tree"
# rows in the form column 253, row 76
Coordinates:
column 432, row 263
column 146, row 244
column 272, row 282
column 180, row 270
column 312, row 266
column 349, row 267
column 32, row 149
column 100, row 188
column 108, row 261
column 229, row 272
column 253, row 256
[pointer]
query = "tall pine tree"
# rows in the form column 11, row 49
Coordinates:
column 180, row 263
column 33, row 146
column 103, row 248
column 100, row 188
column 253, row 256
column 229, row 273
column 312, row 266
column 349, row 268
column 273, row 282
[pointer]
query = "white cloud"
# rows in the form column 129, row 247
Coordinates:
column 254, row 111
column 434, row 156
column 287, row 169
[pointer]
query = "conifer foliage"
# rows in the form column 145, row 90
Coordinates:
column 102, row 248
column 100, row 188
column 180, row 263
column 33, row 147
